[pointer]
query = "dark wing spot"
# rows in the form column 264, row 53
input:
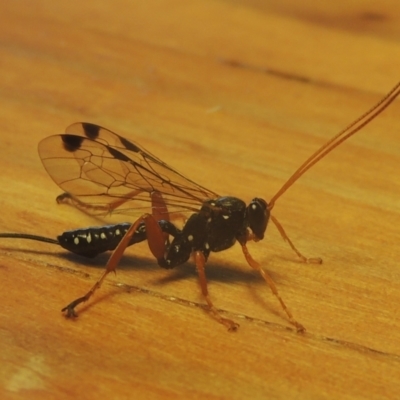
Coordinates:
column 129, row 145
column 72, row 143
column 118, row 155
column 91, row 130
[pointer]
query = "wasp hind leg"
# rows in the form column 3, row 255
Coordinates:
column 157, row 240
column 110, row 267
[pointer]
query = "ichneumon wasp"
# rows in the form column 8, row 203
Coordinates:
column 103, row 173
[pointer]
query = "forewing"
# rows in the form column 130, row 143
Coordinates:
column 108, row 173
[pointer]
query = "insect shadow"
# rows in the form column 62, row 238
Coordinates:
column 217, row 270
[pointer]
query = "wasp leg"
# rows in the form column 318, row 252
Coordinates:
column 110, row 267
column 155, row 231
column 91, row 209
column 157, row 240
column 285, row 237
column 200, row 264
column 191, row 240
column 255, row 265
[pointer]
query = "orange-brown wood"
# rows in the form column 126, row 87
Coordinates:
column 235, row 95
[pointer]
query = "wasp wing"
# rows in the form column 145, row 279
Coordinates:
column 103, row 172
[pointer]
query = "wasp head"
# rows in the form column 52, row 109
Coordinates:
column 258, row 216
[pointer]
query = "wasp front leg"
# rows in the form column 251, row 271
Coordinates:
column 285, row 237
column 255, row 265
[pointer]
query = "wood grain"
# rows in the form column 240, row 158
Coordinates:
column 235, row 94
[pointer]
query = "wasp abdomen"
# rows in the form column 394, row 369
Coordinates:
column 90, row 242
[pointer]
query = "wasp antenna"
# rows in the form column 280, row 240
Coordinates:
column 27, row 236
column 343, row 135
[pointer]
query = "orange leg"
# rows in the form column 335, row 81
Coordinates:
column 200, row 264
column 156, row 240
column 159, row 211
column 285, row 237
column 98, row 210
column 110, row 267
column 255, row 265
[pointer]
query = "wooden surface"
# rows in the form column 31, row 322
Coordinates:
column 235, row 94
